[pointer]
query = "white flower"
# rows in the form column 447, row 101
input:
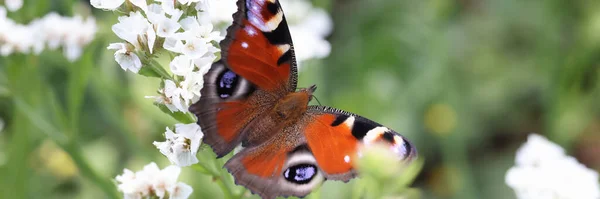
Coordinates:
column 165, row 180
column 165, row 26
column 218, row 12
column 193, row 30
column 191, row 86
column 73, row 34
column 308, row 26
column 168, row 6
column 180, row 191
column 194, row 48
column 132, row 27
column 543, row 171
column 151, row 34
column 181, row 65
column 309, row 35
column 13, row 5
column 173, row 44
column 107, row 4
column 140, row 4
column 151, row 182
column 181, row 148
column 127, row 59
column 204, row 63
column 173, row 93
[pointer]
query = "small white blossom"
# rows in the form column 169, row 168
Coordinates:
column 127, row 59
column 13, row 5
column 173, row 94
column 151, row 181
column 181, row 191
column 543, row 171
column 73, row 34
column 218, row 12
column 173, row 44
column 181, row 65
column 191, row 86
column 107, row 4
column 140, row 4
column 181, row 148
column 193, row 30
column 151, row 34
column 194, row 48
column 204, row 63
column 310, row 34
column 132, row 29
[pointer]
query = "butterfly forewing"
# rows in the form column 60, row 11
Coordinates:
column 259, row 47
column 257, row 67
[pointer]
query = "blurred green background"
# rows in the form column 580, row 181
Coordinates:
column 465, row 80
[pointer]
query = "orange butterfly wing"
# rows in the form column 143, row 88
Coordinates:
column 334, row 137
column 259, row 46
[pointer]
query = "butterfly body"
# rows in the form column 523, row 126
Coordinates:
column 249, row 98
column 287, row 111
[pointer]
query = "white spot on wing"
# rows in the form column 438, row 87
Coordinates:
column 244, row 45
column 373, row 134
column 250, row 31
column 347, row 159
column 283, row 48
column 349, row 122
column 398, row 146
column 273, row 23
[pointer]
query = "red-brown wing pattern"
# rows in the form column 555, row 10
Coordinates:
column 333, row 137
column 258, row 46
column 228, row 103
column 275, row 169
column 257, row 68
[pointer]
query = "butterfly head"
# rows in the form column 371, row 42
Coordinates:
column 310, row 90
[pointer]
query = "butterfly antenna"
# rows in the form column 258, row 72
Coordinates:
column 317, row 100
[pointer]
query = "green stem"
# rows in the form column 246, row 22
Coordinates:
column 226, row 191
column 156, row 67
column 217, row 177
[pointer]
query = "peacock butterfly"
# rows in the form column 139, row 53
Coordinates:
column 249, row 98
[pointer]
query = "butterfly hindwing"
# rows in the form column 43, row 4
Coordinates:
column 321, row 146
column 272, row 170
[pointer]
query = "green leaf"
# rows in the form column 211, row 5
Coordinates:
column 148, row 72
column 185, row 118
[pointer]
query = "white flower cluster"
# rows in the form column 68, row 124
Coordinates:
column 181, row 148
column 72, row 34
column 13, row 5
column 308, row 25
column 153, row 182
column 164, row 25
column 543, row 171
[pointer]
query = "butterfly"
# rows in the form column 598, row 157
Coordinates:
column 250, row 99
